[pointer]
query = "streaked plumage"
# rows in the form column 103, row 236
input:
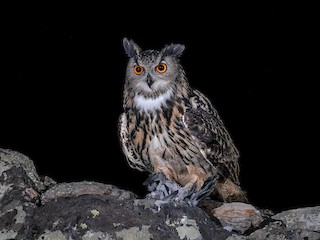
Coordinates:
column 168, row 127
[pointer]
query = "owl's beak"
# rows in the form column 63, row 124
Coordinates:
column 149, row 80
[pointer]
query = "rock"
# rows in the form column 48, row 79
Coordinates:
column 278, row 230
column 19, row 186
column 307, row 218
column 75, row 189
column 238, row 216
column 34, row 207
column 88, row 210
column 10, row 158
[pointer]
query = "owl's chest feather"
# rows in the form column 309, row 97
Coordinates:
column 159, row 134
column 156, row 131
column 164, row 144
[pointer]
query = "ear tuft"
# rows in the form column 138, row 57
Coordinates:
column 175, row 50
column 130, row 47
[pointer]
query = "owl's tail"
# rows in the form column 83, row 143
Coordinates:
column 231, row 192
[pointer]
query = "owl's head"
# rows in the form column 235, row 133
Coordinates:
column 153, row 74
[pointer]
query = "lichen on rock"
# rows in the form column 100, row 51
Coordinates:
column 34, row 207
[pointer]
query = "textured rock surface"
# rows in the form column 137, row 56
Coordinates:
column 34, row 207
column 238, row 216
column 304, row 218
column 88, row 210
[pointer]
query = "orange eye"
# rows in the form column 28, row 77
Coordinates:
column 161, row 68
column 138, row 69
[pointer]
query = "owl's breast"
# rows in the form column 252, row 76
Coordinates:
column 157, row 144
column 166, row 155
column 165, row 145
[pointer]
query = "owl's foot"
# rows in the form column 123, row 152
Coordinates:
column 190, row 195
column 160, row 187
column 183, row 194
column 164, row 190
column 207, row 188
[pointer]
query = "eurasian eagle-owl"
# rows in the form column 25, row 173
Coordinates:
column 173, row 131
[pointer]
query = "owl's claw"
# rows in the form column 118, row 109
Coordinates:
column 152, row 179
column 191, row 196
column 165, row 190
column 183, row 194
column 204, row 192
column 160, row 187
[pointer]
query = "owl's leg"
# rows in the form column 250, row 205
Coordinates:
column 160, row 187
column 207, row 188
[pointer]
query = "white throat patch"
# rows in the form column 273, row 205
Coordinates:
column 147, row 104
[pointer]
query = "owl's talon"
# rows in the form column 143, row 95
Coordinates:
column 170, row 197
column 184, row 194
column 180, row 195
column 204, row 191
column 165, row 190
column 151, row 182
column 159, row 176
column 160, row 187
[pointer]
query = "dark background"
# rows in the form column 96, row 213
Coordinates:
column 63, row 70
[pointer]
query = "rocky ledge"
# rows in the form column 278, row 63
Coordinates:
column 35, row 207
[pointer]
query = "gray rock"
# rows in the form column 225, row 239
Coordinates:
column 75, row 189
column 34, row 207
column 307, row 218
column 88, row 210
column 18, row 197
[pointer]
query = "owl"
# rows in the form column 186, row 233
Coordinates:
column 173, row 131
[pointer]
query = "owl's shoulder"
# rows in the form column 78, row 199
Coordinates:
column 201, row 101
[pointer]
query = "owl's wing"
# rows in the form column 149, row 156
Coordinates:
column 129, row 151
column 214, row 141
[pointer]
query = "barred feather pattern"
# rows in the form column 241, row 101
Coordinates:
column 175, row 130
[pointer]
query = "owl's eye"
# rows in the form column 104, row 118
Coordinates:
column 138, row 69
column 161, row 68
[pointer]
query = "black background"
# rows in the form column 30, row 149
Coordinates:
column 63, row 70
